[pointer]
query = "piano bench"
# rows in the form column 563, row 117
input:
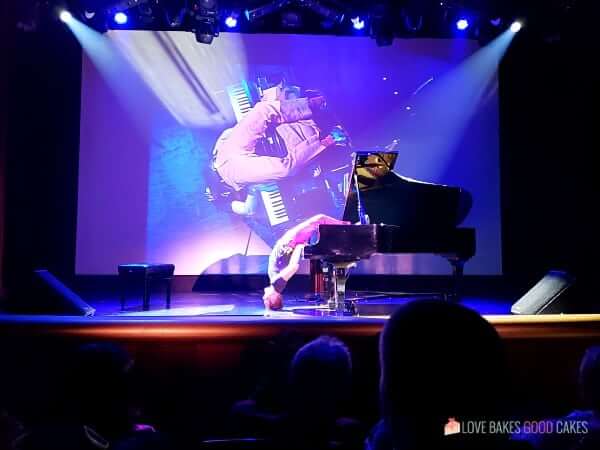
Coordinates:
column 144, row 275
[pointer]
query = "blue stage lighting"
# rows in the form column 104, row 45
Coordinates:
column 231, row 22
column 462, row 24
column 65, row 16
column 120, row 18
column 357, row 23
column 516, row 26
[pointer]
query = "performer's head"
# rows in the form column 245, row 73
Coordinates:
column 280, row 92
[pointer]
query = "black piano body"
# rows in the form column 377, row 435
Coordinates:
column 403, row 215
column 355, row 242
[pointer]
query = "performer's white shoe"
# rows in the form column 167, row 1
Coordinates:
column 245, row 208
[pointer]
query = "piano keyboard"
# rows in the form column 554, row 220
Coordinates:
column 274, row 205
column 240, row 98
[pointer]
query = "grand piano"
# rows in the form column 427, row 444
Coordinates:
column 389, row 214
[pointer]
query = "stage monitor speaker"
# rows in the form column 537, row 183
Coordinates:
column 50, row 296
column 547, row 296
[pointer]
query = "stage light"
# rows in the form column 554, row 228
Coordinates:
column 203, row 37
column 516, row 26
column 462, row 24
column 328, row 13
column 413, row 23
column 205, row 32
column 291, row 19
column 207, row 4
column 413, row 13
column 357, row 23
column 120, row 18
column 65, row 16
column 174, row 12
column 382, row 26
column 231, row 21
column 261, row 11
column 496, row 21
column 206, row 25
column 89, row 15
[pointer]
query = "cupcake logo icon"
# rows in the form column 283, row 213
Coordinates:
column 452, row 427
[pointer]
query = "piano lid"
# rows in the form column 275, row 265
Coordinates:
column 392, row 199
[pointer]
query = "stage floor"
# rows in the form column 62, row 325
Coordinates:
column 199, row 304
column 240, row 316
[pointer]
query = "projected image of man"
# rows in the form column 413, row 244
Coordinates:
column 236, row 159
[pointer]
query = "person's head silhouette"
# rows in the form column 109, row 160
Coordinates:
column 589, row 377
column 439, row 360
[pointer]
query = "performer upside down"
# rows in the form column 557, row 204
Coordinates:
column 284, row 260
column 236, row 159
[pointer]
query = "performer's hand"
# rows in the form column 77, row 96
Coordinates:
column 339, row 135
column 327, row 220
column 317, row 103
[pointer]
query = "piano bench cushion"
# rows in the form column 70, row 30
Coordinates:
column 147, row 270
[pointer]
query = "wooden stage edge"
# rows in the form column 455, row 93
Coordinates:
column 551, row 326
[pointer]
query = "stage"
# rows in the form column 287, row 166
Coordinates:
column 208, row 336
column 196, row 148
column 217, row 304
column 193, row 314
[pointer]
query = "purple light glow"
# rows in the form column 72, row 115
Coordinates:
column 516, row 26
column 231, row 22
column 462, row 24
column 65, row 16
column 121, row 18
column 357, row 23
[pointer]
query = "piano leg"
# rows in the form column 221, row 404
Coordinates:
column 318, row 281
column 338, row 302
column 457, row 274
column 328, row 285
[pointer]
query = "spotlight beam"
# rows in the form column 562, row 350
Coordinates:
column 449, row 103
